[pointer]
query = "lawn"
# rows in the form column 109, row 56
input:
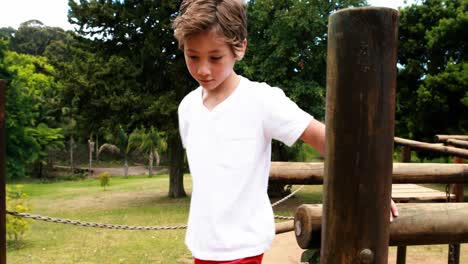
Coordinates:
column 129, row 201
column 137, row 200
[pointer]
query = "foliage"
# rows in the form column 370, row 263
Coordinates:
column 288, row 48
column 104, row 179
column 432, row 90
column 16, row 200
column 32, row 100
column 149, row 142
column 33, row 37
column 154, row 78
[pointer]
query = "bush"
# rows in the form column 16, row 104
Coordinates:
column 104, row 178
column 16, row 200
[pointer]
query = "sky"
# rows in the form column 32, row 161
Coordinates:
column 53, row 13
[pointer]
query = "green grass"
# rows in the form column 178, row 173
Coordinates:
column 136, row 200
column 133, row 201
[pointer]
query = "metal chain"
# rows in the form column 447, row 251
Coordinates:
column 126, row 227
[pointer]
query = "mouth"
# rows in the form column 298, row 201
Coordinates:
column 205, row 81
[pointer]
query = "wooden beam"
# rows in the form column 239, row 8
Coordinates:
column 417, row 224
column 2, row 173
column 312, row 173
column 458, row 143
column 283, row 227
column 458, row 152
column 361, row 80
column 443, row 138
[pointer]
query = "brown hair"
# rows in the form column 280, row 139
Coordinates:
column 225, row 17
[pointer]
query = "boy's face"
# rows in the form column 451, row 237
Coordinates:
column 210, row 60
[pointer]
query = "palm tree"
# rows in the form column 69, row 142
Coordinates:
column 148, row 142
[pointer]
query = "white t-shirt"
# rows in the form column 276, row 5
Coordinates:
column 229, row 155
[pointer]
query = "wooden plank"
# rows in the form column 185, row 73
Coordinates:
column 413, row 192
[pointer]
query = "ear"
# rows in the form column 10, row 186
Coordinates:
column 241, row 52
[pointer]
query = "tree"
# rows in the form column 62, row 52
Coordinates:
column 31, row 94
column 287, row 48
column 432, row 95
column 140, row 33
column 121, row 147
column 148, row 142
column 7, row 32
column 33, row 37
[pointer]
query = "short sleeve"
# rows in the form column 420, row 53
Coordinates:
column 183, row 123
column 283, row 119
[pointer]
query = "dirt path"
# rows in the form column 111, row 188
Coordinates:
column 286, row 251
column 119, row 171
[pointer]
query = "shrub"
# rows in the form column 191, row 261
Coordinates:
column 16, row 200
column 104, row 178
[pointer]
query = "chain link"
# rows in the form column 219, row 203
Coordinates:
column 126, row 227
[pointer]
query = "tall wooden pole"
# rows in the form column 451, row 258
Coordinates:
column 361, row 80
column 401, row 250
column 454, row 249
column 2, row 173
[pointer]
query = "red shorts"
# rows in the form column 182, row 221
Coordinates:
column 249, row 260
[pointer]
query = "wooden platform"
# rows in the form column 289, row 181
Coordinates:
column 416, row 193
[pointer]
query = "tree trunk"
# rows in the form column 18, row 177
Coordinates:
column 91, row 149
column 150, row 164
column 125, row 167
column 97, row 148
column 72, row 162
column 176, row 172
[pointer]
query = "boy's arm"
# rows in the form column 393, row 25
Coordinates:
column 314, row 135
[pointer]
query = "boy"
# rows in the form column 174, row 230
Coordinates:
column 226, row 126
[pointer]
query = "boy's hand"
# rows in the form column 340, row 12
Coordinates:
column 393, row 210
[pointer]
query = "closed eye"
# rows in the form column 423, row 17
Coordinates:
column 215, row 58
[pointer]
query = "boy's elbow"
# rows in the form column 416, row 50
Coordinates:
column 314, row 135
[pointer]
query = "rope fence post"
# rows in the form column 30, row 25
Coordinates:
column 2, row 173
column 360, row 118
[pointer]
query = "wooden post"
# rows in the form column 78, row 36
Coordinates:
column 2, row 173
column 454, row 249
column 361, row 80
column 401, row 250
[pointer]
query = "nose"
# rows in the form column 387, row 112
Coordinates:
column 203, row 69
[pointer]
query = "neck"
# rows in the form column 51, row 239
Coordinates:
column 213, row 97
